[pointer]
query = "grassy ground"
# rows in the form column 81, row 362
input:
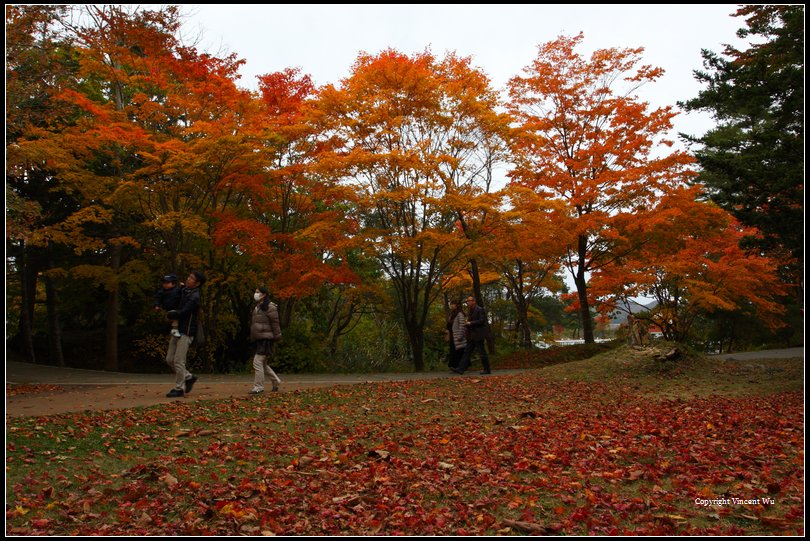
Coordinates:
column 621, row 443
column 642, row 369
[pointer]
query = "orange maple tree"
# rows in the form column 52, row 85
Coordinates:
column 36, row 68
column 292, row 223
column 90, row 148
column 404, row 134
column 585, row 138
column 524, row 249
column 691, row 263
column 155, row 132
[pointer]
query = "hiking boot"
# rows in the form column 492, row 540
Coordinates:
column 190, row 383
column 175, row 393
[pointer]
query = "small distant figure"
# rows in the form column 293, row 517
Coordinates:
column 265, row 330
column 477, row 329
column 167, row 297
column 456, row 333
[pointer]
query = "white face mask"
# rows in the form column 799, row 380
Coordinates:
column 257, row 296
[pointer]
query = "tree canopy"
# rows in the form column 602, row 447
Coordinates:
column 752, row 162
column 363, row 205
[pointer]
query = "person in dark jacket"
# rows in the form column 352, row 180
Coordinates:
column 187, row 314
column 167, row 297
column 265, row 329
column 478, row 329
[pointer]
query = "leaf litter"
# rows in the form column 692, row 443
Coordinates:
column 442, row 457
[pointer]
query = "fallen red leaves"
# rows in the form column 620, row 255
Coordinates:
column 28, row 388
column 452, row 457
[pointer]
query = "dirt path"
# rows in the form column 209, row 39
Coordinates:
column 789, row 353
column 48, row 390
column 69, row 398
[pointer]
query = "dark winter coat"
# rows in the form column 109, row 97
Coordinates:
column 168, row 299
column 477, row 324
column 188, row 313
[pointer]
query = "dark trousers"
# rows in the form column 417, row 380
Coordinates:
column 455, row 356
column 473, row 345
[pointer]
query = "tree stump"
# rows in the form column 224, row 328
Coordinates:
column 671, row 355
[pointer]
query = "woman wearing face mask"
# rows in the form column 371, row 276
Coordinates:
column 264, row 331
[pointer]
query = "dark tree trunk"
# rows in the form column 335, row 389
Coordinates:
column 416, row 338
column 285, row 311
column 582, row 292
column 28, row 287
column 111, row 348
column 54, row 328
column 525, row 331
column 479, row 300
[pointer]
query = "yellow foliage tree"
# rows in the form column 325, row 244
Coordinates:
column 403, row 133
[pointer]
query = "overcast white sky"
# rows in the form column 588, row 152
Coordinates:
column 324, row 40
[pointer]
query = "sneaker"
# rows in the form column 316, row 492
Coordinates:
column 275, row 386
column 190, row 383
column 485, row 372
column 457, row 371
column 256, row 391
column 175, row 393
column 176, row 333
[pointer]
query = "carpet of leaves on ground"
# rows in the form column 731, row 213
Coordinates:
column 463, row 456
column 30, row 388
